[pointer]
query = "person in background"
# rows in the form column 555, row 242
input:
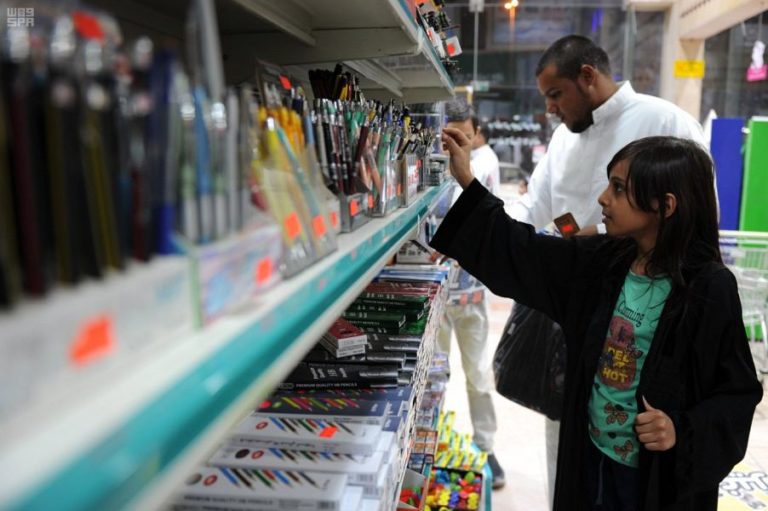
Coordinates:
column 466, row 314
column 599, row 117
column 660, row 386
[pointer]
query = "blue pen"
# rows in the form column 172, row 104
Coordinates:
column 229, row 476
column 326, row 456
column 282, row 477
column 203, row 169
column 276, row 452
column 277, row 423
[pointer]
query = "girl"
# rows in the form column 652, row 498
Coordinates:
column 660, row 385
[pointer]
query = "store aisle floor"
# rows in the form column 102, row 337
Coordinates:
column 520, row 446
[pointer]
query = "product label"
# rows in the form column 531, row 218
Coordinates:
column 263, row 271
column 318, row 224
column 292, row 225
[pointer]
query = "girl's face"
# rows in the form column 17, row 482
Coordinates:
column 620, row 215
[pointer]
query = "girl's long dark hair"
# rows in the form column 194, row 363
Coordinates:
column 689, row 238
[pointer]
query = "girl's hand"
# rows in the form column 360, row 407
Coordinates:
column 458, row 146
column 655, row 429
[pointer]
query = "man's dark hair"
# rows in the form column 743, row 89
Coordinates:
column 459, row 111
column 481, row 127
column 570, row 53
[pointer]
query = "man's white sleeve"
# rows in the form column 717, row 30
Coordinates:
column 535, row 207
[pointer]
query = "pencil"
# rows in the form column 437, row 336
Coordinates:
column 290, row 402
column 282, row 478
column 229, row 476
column 309, row 479
column 293, row 476
column 288, row 425
column 304, row 425
column 242, row 478
column 262, row 478
column 342, row 426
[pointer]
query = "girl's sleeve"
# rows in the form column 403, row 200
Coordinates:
column 508, row 256
column 712, row 436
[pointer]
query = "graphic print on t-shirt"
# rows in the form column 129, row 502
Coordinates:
column 613, row 401
column 618, row 364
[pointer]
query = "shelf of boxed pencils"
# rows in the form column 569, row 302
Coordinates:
column 342, row 426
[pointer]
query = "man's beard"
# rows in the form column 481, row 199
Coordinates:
column 585, row 122
column 582, row 124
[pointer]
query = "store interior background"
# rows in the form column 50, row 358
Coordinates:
column 510, row 44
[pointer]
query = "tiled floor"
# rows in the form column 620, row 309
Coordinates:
column 520, row 438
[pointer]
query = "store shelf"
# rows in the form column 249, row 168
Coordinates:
column 423, row 76
column 129, row 439
column 310, row 34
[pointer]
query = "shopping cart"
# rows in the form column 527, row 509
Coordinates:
column 746, row 254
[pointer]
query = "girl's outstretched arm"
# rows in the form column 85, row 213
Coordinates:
column 505, row 255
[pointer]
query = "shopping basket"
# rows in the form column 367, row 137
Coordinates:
column 746, row 254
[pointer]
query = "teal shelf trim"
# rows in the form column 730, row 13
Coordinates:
column 120, row 466
column 411, row 14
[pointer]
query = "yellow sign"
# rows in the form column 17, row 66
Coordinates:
column 689, row 69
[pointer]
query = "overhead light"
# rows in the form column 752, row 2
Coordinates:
column 511, row 4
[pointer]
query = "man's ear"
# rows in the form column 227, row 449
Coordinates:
column 588, row 74
column 670, row 201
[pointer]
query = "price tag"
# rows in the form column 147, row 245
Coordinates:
column 318, row 224
column 370, row 201
column 334, row 219
column 285, row 82
column 95, row 340
column 87, row 26
column 292, row 225
column 328, row 432
column 399, row 189
column 264, row 271
column 354, row 207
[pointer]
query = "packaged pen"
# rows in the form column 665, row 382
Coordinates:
column 22, row 97
column 74, row 254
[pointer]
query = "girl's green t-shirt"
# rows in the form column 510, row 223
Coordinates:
column 612, row 405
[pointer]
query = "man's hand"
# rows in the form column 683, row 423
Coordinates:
column 655, row 429
column 459, row 147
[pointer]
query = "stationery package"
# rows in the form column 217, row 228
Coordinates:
column 306, row 435
column 214, row 488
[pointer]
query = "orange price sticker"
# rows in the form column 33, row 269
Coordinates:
column 292, row 225
column 334, row 219
column 354, row 207
column 95, row 339
column 318, row 224
column 88, row 26
column 370, row 201
column 328, row 432
column 399, row 189
column 264, row 271
column 285, row 82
